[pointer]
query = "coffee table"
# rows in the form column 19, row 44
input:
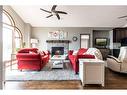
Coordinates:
column 58, row 61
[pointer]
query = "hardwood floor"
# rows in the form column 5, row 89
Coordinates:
column 113, row 80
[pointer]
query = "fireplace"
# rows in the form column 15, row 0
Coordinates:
column 57, row 50
column 63, row 44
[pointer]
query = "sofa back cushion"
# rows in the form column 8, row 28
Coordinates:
column 27, row 56
column 27, row 50
column 81, row 51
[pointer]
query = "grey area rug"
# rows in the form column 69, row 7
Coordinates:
column 45, row 74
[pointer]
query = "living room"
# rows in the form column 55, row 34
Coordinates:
column 34, row 30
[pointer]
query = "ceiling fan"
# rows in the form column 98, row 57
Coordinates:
column 53, row 12
column 122, row 16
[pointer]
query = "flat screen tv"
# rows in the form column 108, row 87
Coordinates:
column 101, row 41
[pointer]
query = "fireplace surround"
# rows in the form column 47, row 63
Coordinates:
column 63, row 44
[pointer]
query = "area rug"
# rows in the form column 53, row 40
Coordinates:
column 45, row 74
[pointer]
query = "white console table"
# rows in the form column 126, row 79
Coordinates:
column 91, row 71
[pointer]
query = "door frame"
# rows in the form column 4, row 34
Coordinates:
column 89, row 39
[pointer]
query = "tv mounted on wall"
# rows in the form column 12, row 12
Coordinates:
column 101, row 41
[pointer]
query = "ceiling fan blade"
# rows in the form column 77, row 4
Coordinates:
column 54, row 7
column 58, row 16
column 61, row 12
column 122, row 16
column 45, row 10
column 49, row 16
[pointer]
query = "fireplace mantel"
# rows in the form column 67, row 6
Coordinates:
column 57, row 41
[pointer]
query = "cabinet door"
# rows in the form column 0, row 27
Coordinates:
column 119, row 33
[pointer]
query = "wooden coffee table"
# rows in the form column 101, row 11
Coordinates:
column 58, row 61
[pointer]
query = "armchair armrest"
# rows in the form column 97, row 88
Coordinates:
column 114, row 58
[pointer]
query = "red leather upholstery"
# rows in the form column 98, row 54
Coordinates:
column 74, row 58
column 45, row 56
column 26, row 50
column 30, row 59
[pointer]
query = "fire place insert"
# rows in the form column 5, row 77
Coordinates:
column 57, row 51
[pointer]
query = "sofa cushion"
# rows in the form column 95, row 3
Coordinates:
column 31, row 52
column 81, row 51
column 75, row 52
column 94, row 51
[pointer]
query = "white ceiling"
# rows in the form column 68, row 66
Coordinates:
column 78, row 16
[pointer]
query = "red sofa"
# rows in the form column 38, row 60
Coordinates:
column 74, row 58
column 31, row 59
column 45, row 56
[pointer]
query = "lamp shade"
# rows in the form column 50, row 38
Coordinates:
column 34, row 41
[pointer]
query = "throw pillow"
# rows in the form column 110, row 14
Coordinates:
column 75, row 52
column 31, row 52
column 89, row 51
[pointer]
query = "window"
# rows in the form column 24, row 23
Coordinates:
column 12, row 37
column 17, row 39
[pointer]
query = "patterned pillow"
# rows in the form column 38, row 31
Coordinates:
column 95, row 52
column 75, row 52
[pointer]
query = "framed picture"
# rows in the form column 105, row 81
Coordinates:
column 57, row 35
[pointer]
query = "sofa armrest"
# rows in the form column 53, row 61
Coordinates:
column 114, row 58
column 27, row 56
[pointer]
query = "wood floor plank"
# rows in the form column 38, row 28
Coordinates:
column 113, row 80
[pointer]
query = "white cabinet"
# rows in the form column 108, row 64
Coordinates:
column 91, row 71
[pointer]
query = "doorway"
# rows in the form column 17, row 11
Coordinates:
column 84, row 40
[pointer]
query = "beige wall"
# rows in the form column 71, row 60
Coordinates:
column 25, row 28
column 1, row 64
column 27, row 34
column 41, row 33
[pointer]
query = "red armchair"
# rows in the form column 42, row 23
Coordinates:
column 74, row 58
column 30, row 59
